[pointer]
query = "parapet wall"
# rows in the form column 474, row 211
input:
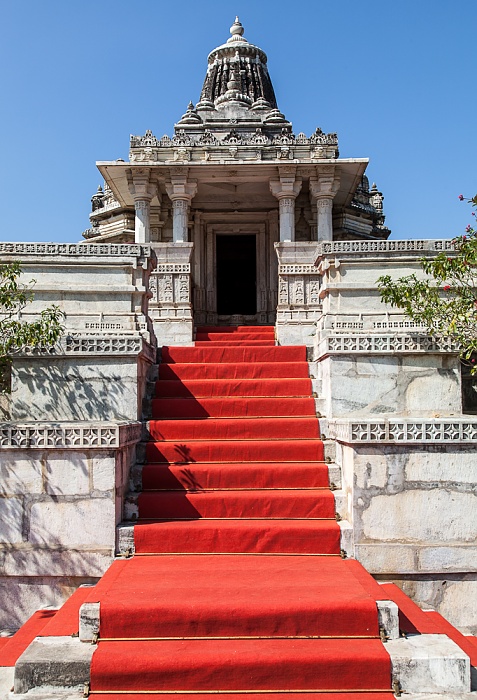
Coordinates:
column 62, row 488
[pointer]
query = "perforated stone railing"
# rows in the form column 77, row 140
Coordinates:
column 385, row 344
column 68, row 435
column 412, row 430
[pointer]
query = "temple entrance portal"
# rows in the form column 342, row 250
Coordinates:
column 236, row 260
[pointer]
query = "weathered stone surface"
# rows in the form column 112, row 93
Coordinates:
column 388, row 618
column 33, row 561
column 429, row 663
column 73, row 523
column 89, row 617
column 75, row 388
column 67, row 474
column 11, row 519
column 21, row 596
column 386, row 558
column 62, row 662
column 407, row 386
column 6, row 681
column 458, row 603
column 20, row 474
column 104, row 473
column 421, row 516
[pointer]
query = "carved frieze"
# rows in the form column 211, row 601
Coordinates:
column 411, row 246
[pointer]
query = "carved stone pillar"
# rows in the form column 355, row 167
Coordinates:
column 299, row 304
column 141, row 221
column 143, row 190
column 170, row 307
column 181, row 192
column 323, row 188
column 180, row 217
column 324, row 211
column 286, row 190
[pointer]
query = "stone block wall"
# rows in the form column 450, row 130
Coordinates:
column 62, row 489
column 410, row 495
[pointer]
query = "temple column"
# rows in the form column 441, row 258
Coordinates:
column 181, row 192
column 323, row 188
column 141, row 221
column 286, row 190
column 143, row 191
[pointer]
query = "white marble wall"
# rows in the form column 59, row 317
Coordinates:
column 58, row 509
column 412, row 508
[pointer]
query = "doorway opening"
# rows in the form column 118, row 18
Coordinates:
column 236, row 275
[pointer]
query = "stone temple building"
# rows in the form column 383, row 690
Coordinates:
column 236, row 451
column 233, row 181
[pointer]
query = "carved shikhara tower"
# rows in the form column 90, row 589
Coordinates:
column 232, row 189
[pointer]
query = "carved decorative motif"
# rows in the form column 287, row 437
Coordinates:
column 79, row 344
column 68, row 435
column 181, row 139
column 331, row 247
column 174, row 268
column 388, row 343
column 207, row 139
column 233, row 138
column 76, row 249
column 285, row 139
column 442, row 430
column 297, row 269
column 147, row 140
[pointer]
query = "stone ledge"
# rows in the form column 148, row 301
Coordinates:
column 378, row 344
column 53, row 662
column 385, row 557
column 80, row 345
column 401, row 430
column 429, row 663
column 357, row 248
column 72, row 435
column 57, row 252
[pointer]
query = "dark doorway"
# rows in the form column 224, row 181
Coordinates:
column 236, row 275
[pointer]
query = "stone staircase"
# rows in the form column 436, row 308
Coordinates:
column 232, row 560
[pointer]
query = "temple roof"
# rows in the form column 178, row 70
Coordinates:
column 237, row 89
column 237, row 73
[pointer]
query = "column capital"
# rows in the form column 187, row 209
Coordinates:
column 141, row 186
column 325, row 184
column 181, row 188
column 286, row 186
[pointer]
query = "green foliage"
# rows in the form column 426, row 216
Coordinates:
column 445, row 303
column 15, row 333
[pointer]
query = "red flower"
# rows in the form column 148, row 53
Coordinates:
column 467, row 228
column 461, row 197
column 472, row 360
column 446, row 288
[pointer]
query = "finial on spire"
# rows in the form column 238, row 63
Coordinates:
column 236, row 31
column 237, row 27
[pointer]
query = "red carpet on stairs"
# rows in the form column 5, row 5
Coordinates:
column 14, row 646
column 237, row 585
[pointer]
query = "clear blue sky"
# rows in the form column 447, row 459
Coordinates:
column 395, row 79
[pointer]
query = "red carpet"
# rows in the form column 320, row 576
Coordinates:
column 14, row 647
column 237, row 588
column 237, row 583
